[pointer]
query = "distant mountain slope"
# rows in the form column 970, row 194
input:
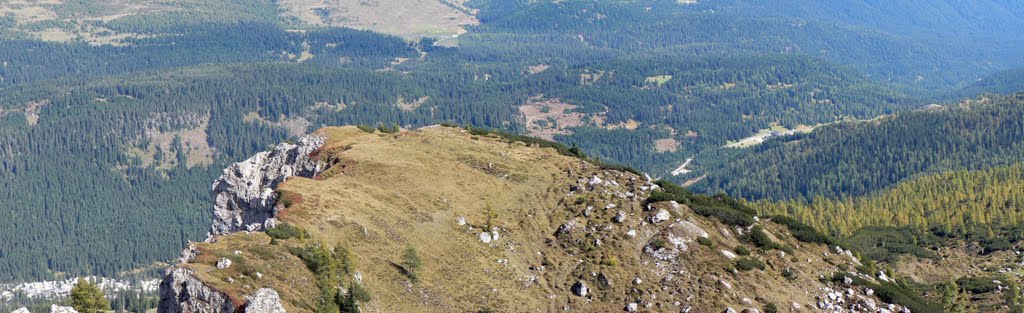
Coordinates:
column 857, row 158
column 989, row 19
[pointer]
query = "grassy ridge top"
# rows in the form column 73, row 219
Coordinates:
column 556, row 222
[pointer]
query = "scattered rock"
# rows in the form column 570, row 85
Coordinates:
column 485, row 237
column 61, row 309
column 637, row 280
column 580, row 289
column 725, row 284
column 21, row 310
column 264, row 300
column 223, row 263
column 729, row 310
column 728, row 254
column 461, row 221
column 661, row 216
column 632, row 307
column 619, row 217
column 751, row 311
column 631, row 233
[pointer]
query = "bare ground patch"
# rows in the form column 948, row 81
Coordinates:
column 296, row 126
column 409, row 19
column 192, row 136
column 666, row 145
column 411, row 105
column 546, row 118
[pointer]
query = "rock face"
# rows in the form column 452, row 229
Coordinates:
column 181, row 292
column 244, row 196
column 264, row 300
column 21, row 310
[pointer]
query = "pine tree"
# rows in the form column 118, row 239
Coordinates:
column 86, row 297
column 412, row 262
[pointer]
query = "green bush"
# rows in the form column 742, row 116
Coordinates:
column 366, row 128
column 286, row 231
column 389, row 129
column 761, row 239
column 746, row 264
column 704, row 241
column 771, row 308
column 977, row 284
column 741, row 250
column 802, row 231
column 726, row 215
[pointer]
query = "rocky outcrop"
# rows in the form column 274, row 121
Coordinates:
column 244, row 195
column 264, row 300
column 21, row 310
column 181, row 292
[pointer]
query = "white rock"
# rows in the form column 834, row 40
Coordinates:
column 882, row 276
column 485, row 237
column 725, row 284
column 22, row 310
column 631, row 233
column 461, row 221
column 223, row 263
column 661, row 216
column 244, row 197
column 729, row 310
column 728, row 254
column 632, row 307
column 637, row 280
column 619, row 217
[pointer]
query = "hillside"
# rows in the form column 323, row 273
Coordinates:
column 860, row 157
column 498, row 223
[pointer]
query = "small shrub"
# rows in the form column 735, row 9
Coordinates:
column 802, row 231
column 747, row 264
column 761, row 239
column 741, row 250
column 366, row 128
column 286, row 231
column 771, row 308
column 977, row 284
column 659, row 244
column 726, row 215
column 788, row 249
column 612, row 261
column 389, row 129
column 704, row 241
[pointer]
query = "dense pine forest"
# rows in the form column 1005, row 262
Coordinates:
column 859, row 157
column 108, row 150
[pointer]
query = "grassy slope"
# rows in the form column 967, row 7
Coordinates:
column 390, row 190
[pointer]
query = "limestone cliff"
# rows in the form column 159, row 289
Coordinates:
column 244, row 197
column 244, row 200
